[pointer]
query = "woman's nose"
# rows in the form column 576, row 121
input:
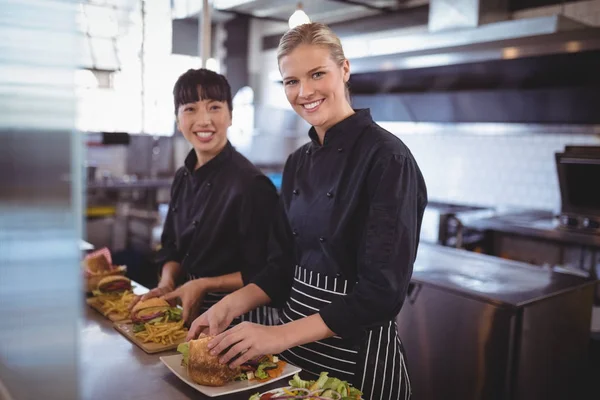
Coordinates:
column 306, row 89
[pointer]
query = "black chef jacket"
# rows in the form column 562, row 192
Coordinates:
column 219, row 217
column 350, row 208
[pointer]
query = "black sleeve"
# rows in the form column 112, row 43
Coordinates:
column 277, row 277
column 256, row 215
column 387, row 251
column 168, row 240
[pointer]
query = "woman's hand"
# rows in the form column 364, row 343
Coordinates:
column 156, row 292
column 192, row 295
column 214, row 321
column 250, row 340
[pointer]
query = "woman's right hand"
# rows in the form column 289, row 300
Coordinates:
column 214, row 321
column 156, row 292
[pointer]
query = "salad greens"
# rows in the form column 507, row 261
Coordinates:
column 323, row 388
column 184, row 348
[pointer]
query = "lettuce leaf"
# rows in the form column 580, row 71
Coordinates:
column 184, row 348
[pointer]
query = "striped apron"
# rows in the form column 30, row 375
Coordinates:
column 262, row 315
column 374, row 363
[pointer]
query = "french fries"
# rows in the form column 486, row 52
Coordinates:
column 117, row 305
column 162, row 332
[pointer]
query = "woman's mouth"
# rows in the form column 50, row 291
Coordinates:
column 204, row 136
column 311, row 107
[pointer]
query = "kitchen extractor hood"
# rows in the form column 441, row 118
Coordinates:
column 476, row 65
column 464, row 31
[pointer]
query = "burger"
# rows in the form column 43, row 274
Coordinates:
column 205, row 369
column 98, row 263
column 98, row 266
column 113, row 284
column 153, row 311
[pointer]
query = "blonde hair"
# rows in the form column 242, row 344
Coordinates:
column 315, row 34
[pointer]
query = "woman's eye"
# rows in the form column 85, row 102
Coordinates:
column 291, row 82
column 317, row 75
column 188, row 109
column 215, row 107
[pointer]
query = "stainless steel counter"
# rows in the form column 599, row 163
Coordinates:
column 111, row 367
column 480, row 327
column 490, row 279
column 538, row 224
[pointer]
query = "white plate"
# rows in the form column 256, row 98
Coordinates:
column 174, row 364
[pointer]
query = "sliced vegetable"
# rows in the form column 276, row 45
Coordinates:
column 260, row 373
column 354, row 392
column 320, row 382
column 332, row 383
column 184, row 348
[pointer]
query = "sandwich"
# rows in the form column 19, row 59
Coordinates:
column 154, row 320
column 98, row 263
column 97, row 266
column 113, row 284
column 205, row 369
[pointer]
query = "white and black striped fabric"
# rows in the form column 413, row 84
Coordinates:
column 375, row 364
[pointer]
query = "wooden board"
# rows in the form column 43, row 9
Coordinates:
column 126, row 329
column 114, row 317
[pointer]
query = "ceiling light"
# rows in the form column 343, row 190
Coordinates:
column 299, row 17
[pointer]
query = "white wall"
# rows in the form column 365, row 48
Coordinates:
column 512, row 170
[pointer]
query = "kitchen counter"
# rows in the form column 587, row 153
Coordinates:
column 490, row 279
column 533, row 223
column 480, row 327
column 111, row 367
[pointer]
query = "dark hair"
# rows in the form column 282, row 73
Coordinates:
column 201, row 84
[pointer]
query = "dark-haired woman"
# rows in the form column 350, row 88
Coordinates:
column 216, row 230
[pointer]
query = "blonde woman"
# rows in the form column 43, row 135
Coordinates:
column 343, row 245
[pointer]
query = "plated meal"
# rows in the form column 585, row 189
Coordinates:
column 203, row 372
column 205, row 369
column 324, row 388
column 154, row 320
column 112, row 297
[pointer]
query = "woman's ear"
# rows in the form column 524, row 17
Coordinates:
column 346, row 70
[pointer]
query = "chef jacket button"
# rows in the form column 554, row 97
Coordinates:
column 307, row 151
column 329, row 194
column 321, row 239
column 295, row 232
column 185, row 173
column 338, row 275
column 195, row 223
column 187, row 254
column 208, row 184
column 340, row 149
column 296, row 192
column 174, row 209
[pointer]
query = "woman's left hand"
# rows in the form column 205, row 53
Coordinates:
column 248, row 339
column 191, row 295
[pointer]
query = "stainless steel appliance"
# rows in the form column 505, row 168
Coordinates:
column 578, row 170
column 479, row 327
column 444, row 224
